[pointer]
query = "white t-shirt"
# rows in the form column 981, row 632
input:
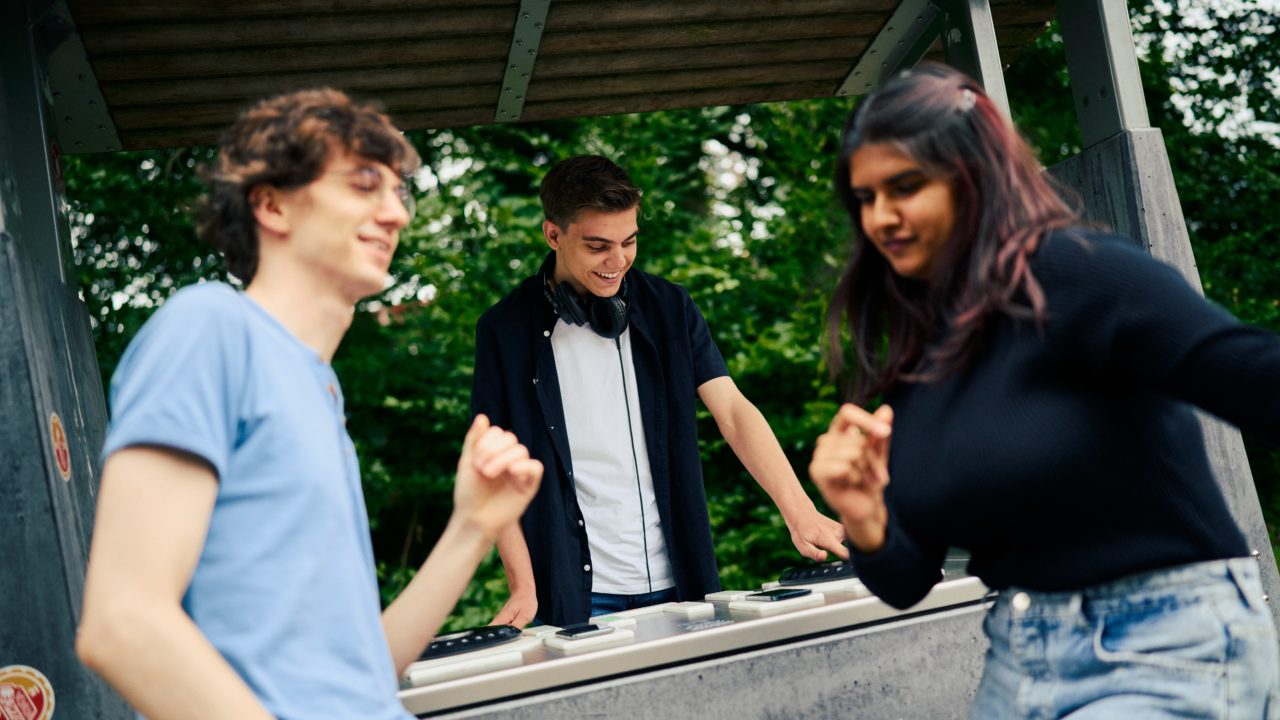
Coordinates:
column 624, row 534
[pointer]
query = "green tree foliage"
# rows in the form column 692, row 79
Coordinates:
column 1222, row 129
column 737, row 207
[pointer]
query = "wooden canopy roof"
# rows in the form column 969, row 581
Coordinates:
column 175, row 72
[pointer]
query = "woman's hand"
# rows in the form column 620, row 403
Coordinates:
column 496, row 478
column 851, row 468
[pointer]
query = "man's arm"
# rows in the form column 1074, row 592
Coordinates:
column 522, row 605
column 496, row 481
column 753, row 441
column 153, row 513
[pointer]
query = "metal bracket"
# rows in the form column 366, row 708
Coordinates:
column 1104, row 68
column 81, row 121
column 971, row 46
column 525, row 40
column 905, row 39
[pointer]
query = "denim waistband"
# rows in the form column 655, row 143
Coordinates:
column 1212, row 578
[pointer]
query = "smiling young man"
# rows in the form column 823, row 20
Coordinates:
column 231, row 573
column 596, row 367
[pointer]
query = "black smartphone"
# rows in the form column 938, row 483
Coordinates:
column 583, row 630
column 779, row 594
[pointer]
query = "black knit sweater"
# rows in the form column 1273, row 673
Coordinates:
column 1068, row 456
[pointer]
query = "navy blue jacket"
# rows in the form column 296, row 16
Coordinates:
column 516, row 385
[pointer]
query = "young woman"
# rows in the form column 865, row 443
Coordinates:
column 1036, row 379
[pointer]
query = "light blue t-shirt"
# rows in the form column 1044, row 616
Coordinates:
column 285, row 587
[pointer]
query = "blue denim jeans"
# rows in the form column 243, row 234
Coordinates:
column 1193, row 641
column 604, row 603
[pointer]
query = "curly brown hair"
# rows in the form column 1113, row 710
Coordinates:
column 284, row 142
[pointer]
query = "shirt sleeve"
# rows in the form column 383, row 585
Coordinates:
column 487, row 393
column 179, row 381
column 903, row 571
column 1116, row 311
column 708, row 363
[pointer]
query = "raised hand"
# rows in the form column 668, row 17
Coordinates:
column 496, row 478
column 851, row 468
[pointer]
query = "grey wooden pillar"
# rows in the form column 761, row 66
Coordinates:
column 1125, row 181
column 969, row 44
column 52, row 414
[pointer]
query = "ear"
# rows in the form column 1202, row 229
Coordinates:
column 552, row 233
column 269, row 209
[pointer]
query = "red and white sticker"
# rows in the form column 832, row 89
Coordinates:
column 61, row 450
column 25, row 694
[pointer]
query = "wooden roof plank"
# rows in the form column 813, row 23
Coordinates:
column 232, row 32
column 588, row 14
column 584, row 86
column 670, row 101
column 90, row 13
column 167, row 92
column 202, row 64
column 654, row 60
column 555, row 42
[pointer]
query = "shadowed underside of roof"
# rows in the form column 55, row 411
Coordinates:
column 175, row 72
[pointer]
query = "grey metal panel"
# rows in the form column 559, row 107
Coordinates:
column 923, row 667
column 47, row 364
column 1104, row 68
column 36, row 218
column 525, row 40
column 8, row 170
column 969, row 41
column 899, row 45
column 1126, row 183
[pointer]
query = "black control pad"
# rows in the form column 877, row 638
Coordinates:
column 469, row 639
column 811, row 574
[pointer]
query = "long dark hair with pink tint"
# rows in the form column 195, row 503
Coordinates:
column 923, row 330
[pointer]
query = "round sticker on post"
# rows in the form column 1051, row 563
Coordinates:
column 25, row 694
column 61, row 450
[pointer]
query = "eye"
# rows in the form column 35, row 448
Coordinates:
column 863, row 197
column 908, row 186
column 598, row 248
column 366, row 180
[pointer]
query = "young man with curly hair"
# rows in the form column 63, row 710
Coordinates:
column 231, row 572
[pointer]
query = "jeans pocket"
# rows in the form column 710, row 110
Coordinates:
column 1187, row 638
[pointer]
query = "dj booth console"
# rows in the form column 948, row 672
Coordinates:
column 838, row 652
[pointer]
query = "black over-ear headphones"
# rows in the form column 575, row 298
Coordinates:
column 607, row 316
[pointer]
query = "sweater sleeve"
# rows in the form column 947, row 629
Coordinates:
column 903, row 571
column 1115, row 310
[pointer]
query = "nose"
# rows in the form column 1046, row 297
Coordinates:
column 392, row 210
column 879, row 214
column 617, row 256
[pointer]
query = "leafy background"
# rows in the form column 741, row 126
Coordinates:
column 738, row 208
